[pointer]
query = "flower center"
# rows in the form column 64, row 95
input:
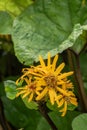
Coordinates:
column 67, row 99
column 51, row 81
column 32, row 86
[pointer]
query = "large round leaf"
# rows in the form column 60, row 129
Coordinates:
column 44, row 26
column 80, row 122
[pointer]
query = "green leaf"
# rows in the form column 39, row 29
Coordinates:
column 52, row 107
column 63, row 123
column 81, row 41
column 22, row 117
column 14, row 113
column 18, row 114
column 71, row 107
column 44, row 27
column 80, row 122
column 10, row 89
column 6, row 22
column 43, row 125
column 20, row 83
column 30, row 105
column 14, row 7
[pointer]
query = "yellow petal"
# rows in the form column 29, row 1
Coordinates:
column 54, row 62
column 23, row 88
column 71, row 93
column 74, row 101
column 60, row 82
column 37, row 78
column 49, row 59
column 59, row 97
column 62, row 91
column 18, row 81
column 27, row 80
column 27, row 93
column 36, row 74
column 61, row 102
column 25, row 69
column 38, row 88
column 25, row 74
column 64, row 75
column 30, row 97
column 65, row 109
column 19, row 93
column 41, row 83
column 59, row 68
column 37, row 92
column 42, row 94
column 64, row 86
column 70, row 85
column 52, row 96
column 41, row 61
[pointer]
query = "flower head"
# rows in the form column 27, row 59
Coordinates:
column 66, row 97
column 29, row 88
column 47, row 82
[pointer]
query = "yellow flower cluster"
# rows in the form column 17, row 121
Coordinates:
column 46, row 82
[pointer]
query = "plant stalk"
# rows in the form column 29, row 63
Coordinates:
column 81, row 85
column 43, row 111
column 75, row 65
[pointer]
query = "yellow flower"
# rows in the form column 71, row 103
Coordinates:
column 66, row 97
column 50, row 78
column 63, row 100
column 29, row 89
column 47, row 82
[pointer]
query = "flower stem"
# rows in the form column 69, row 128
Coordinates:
column 75, row 64
column 81, row 85
column 44, row 112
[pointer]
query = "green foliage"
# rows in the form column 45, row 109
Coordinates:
column 43, row 24
column 52, row 107
column 71, row 107
column 81, row 41
column 28, row 50
column 42, row 27
column 80, row 122
column 63, row 122
column 10, row 89
column 36, row 28
column 14, row 6
column 7, row 21
column 30, row 105
column 21, row 117
column 43, row 125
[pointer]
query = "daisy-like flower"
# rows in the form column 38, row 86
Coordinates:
column 50, row 78
column 47, row 82
column 64, row 101
column 66, row 97
column 29, row 89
